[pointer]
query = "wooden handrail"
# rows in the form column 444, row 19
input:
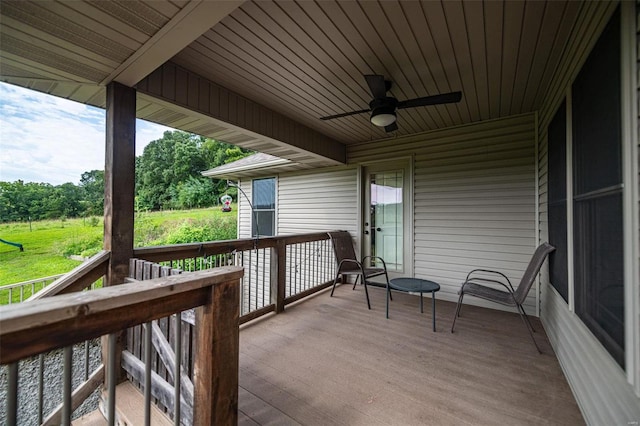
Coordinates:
column 211, row 248
column 78, row 278
column 43, row 325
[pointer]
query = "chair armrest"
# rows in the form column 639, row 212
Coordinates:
column 355, row 262
column 488, row 271
column 377, row 258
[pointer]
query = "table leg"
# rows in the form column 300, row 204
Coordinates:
column 433, row 309
column 421, row 298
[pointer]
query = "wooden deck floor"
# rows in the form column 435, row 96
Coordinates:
column 330, row 361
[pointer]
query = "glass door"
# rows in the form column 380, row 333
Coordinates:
column 385, row 222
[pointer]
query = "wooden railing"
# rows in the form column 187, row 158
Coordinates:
column 277, row 271
column 19, row 292
column 45, row 371
column 44, row 325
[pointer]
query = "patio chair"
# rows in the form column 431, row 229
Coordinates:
column 348, row 264
column 476, row 285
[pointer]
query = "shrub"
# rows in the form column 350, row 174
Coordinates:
column 85, row 247
column 202, row 230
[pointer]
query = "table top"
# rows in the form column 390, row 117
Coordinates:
column 414, row 284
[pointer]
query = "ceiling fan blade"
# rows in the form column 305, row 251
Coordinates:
column 391, row 127
column 377, row 85
column 344, row 114
column 444, row 98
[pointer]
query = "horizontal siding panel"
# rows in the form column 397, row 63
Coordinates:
column 318, row 201
column 423, row 231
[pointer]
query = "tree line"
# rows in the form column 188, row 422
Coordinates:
column 168, row 176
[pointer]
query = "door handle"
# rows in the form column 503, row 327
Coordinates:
column 378, row 229
column 366, row 232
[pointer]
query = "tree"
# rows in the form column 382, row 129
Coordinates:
column 92, row 183
column 168, row 173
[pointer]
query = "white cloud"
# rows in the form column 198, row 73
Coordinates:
column 48, row 139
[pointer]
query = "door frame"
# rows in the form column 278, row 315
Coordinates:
column 406, row 163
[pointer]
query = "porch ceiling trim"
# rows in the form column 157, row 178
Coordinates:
column 191, row 22
column 250, row 123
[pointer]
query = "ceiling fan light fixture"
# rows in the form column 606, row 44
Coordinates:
column 383, row 116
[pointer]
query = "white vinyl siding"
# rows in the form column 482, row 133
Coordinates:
column 597, row 381
column 324, row 200
column 474, row 200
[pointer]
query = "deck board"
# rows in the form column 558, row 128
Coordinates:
column 329, row 361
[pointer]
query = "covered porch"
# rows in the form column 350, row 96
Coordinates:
column 332, row 361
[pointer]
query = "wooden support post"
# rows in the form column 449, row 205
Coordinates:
column 215, row 377
column 119, row 180
column 278, row 275
column 119, row 192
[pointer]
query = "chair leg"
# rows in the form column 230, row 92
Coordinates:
column 527, row 318
column 367, row 293
column 335, row 281
column 457, row 313
column 528, row 329
column 355, row 282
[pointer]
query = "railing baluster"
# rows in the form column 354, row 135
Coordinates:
column 111, row 380
column 178, row 362
column 147, row 374
column 250, row 277
column 12, row 395
column 66, row 385
column 40, row 387
column 86, row 360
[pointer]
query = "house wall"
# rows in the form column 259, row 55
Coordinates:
column 603, row 390
column 474, row 199
column 323, row 200
column 306, row 202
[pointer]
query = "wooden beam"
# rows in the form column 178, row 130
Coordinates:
column 215, row 376
column 28, row 329
column 119, row 180
column 119, row 193
column 193, row 20
column 186, row 92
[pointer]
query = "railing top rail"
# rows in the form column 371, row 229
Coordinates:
column 79, row 277
column 29, row 282
column 210, row 248
column 43, row 325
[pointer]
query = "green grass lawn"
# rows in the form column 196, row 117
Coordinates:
column 46, row 243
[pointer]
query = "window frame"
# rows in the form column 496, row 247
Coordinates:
column 257, row 211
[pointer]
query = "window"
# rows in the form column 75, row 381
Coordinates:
column 264, row 207
column 597, row 192
column 557, row 137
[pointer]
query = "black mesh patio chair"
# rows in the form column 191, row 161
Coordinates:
column 477, row 281
column 348, row 264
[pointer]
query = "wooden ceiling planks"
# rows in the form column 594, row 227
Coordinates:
column 307, row 59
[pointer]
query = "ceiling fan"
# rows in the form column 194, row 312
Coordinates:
column 383, row 108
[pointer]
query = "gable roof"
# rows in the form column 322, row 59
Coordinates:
column 253, row 165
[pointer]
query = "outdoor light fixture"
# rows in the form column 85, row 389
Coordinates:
column 383, row 111
column 383, row 118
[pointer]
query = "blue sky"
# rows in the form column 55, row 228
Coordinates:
column 48, row 139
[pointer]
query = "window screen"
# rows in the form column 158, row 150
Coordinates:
column 557, row 138
column 597, row 201
column 264, row 207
